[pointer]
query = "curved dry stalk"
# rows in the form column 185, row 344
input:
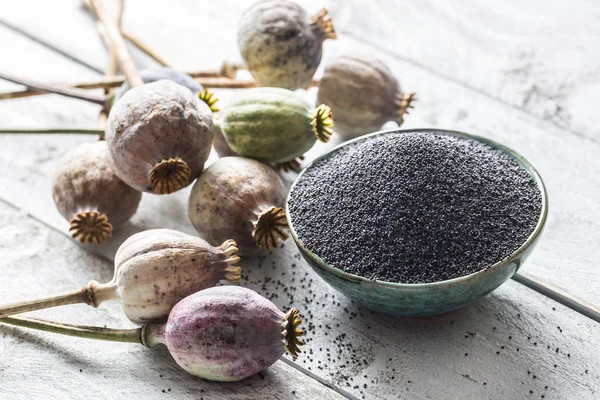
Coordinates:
column 116, row 81
column 92, row 294
column 64, row 91
column 112, row 64
column 82, row 331
column 53, row 131
column 114, row 41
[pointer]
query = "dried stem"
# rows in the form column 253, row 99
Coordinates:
column 116, row 81
column 73, row 297
column 64, row 91
column 115, row 42
column 54, row 131
column 82, row 331
column 112, row 65
column 92, row 294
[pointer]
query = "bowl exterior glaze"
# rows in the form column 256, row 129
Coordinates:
column 427, row 299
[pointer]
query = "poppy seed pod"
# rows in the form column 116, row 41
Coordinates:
column 159, row 136
column 227, row 333
column 281, row 44
column 90, row 196
column 363, row 95
column 241, row 199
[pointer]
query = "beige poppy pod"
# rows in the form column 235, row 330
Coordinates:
column 363, row 95
column 281, row 44
column 159, row 136
column 90, row 196
column 241, row 199
column 154, row 270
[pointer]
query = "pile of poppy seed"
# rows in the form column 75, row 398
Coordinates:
column 414, row 207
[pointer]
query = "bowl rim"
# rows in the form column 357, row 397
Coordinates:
column 531, row 239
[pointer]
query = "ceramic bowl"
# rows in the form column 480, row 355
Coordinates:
column 426, row 299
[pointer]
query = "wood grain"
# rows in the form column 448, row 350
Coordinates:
column 538, row 57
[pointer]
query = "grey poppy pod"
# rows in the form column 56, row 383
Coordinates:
column 90, row 196
column 363, row 95
column 159, row 136
column 241, row 199
column 281, row 44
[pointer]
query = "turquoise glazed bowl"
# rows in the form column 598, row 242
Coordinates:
column 426, row 299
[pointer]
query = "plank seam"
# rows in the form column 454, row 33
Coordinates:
column 560, row 296
column 464, row 85
column 49, row 46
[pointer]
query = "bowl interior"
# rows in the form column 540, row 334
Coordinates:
column 439, row 284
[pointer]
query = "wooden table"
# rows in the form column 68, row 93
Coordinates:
column 522, row 73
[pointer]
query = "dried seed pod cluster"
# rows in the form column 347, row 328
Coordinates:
column 241, row 199
column 363, row 95
column 274, row 124
column 90, row 196
column 159, row 135
column 281, row 44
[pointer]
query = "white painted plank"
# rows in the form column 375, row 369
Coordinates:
column 541, row 57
